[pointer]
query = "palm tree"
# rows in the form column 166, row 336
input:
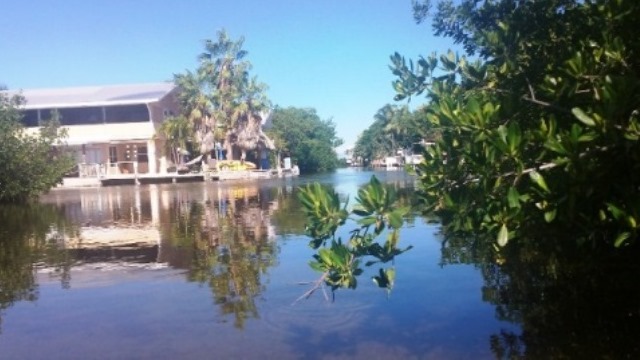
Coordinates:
column 197, row 104
column 177, row 132
column 221, row 64
column 400, row 127
column 249, row 116
column 222, row 102
column 384, row 118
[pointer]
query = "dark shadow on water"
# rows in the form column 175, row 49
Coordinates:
column 29, row 237
column 569, row 301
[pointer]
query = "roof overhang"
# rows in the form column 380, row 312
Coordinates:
column 62, row 105
column 95, row 96
column 106, row 133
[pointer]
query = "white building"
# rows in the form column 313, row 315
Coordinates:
column 113, row 129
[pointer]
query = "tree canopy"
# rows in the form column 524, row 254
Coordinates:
column 394, row 128
column 307, row 139
column 31, row 164
column 221, row 101
column 539, row 120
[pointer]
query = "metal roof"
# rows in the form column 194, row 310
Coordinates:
column 95, row 95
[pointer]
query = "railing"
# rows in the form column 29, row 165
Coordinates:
column 90, row 170
column 123, row 167
column 133, row 168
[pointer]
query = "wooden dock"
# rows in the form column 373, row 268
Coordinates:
column 168, row 178
column 143, row 179
column 242, row 175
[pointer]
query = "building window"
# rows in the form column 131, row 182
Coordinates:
column 30, row 118
column 167, row 113
column 81, row 116
column 113, row 154
column 127, row 113
column 142, row 154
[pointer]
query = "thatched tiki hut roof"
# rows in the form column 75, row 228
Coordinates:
column 248, row 135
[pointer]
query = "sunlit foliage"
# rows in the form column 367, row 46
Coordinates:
column 539, row 122
column 29, row 164
column 221, row 101
column 341, row 261
column 394, row 128
column 307, row 139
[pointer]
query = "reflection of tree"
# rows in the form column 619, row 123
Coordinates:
column 287, row 218
column 570, row 301
column 27, row 238
column 405, row 197
column 228, row 246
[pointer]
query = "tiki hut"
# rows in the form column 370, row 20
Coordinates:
column 248, row 136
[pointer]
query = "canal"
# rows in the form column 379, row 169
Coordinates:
column 213, row 271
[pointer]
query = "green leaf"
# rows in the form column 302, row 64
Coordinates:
column 316, row 266
column 361, row 211
column 632, row 222
column 391, row 274
column 620, row 240
column 514, row 198
column 366, row 221
column 395, row 219
column 539, row 180
column 583, row 117
column 616, row 211
column 514, row 137
column 549, row 216
column 503, row 235
column 326, row 255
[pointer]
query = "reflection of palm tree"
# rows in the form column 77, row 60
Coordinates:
column 227, row 252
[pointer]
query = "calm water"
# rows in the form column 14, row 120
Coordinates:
column 211, row 271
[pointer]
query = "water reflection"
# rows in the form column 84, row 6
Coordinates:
column 168, row 271
column 569, row 301
column 228, row 242
column 203, row 259
column 29, row 238
column 222, row 236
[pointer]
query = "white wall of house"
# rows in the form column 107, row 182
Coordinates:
column 120, row 144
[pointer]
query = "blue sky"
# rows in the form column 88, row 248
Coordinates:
column 332, row 55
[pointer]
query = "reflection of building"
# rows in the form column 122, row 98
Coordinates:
column 94, row 237
column 112, row 129
column 141, row 220
column 123, row 244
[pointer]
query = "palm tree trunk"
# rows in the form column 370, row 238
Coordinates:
column 229, row 148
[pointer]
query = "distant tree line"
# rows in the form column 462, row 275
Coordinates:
column 395, row 128
column 303, row 136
